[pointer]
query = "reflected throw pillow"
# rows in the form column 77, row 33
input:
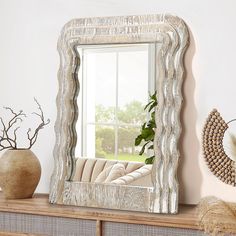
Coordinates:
column 111, row 173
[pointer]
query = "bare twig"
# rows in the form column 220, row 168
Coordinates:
column 15, row 136
column 8, row 141
column 11, row 110
column 6, row 128
column 34, row 136
column 17, row 116
column 4, row 147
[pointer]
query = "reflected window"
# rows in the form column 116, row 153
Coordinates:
column 115, row 81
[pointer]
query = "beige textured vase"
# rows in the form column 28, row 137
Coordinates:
column 20, row 173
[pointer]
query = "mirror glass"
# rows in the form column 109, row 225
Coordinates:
column 115, row 83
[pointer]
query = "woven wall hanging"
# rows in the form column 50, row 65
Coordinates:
column 217, row 160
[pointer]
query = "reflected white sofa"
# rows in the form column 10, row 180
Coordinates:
column 97, row 170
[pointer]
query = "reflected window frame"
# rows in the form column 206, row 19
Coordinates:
column 82, row 123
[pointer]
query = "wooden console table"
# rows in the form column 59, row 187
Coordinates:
column 37, row 217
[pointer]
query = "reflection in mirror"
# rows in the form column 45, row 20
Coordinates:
column 112, row 112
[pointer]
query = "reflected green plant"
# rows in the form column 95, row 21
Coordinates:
column 148, row 129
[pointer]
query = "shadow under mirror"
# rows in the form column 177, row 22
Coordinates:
column 116, row 81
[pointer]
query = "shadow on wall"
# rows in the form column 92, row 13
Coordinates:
column 189, row 174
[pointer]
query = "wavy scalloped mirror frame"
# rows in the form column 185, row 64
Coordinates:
column 172, row 33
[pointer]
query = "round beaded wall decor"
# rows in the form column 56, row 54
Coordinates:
column 217, row 160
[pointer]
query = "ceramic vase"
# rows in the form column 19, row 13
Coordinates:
column 20, row 173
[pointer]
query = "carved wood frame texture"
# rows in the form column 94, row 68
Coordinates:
column 173, row 35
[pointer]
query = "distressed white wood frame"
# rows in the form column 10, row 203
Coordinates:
column 167, row 30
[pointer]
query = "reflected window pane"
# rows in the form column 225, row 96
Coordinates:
column 105, row 142
column 90, row 141
column 133, row 72
column 100, row 85
column 126, row 149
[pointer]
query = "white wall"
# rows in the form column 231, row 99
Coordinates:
column 29, row 61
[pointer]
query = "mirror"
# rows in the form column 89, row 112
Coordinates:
column 108, row 67
column 113, row 112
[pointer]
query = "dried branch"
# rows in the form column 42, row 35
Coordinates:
column 9, row 140
column 4, row 147
column 15, row 135
column 6, row 129
column 17, row 116
column 32, row 138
